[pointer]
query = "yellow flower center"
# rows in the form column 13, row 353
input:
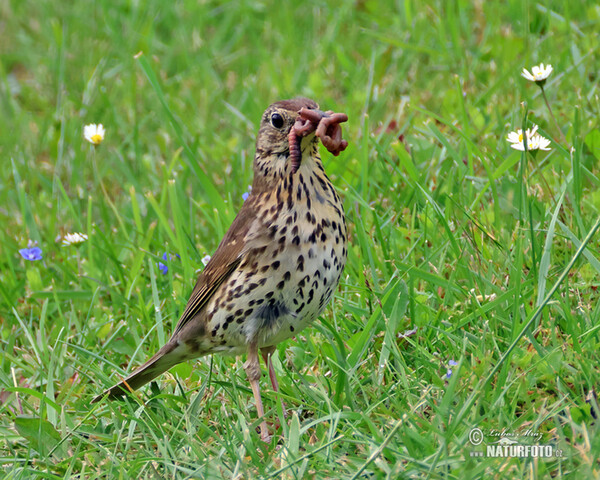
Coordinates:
column 521, row 137
column 96, row 139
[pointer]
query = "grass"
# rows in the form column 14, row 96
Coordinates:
column 462, row 249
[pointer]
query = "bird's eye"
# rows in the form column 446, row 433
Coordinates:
column 277, row 120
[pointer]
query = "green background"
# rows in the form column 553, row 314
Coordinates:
column 453, row 234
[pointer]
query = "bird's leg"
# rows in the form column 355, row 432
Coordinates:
column 266, row 355
column 267, row 352
column 252, row 367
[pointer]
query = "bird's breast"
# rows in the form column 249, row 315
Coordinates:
column 293, row 263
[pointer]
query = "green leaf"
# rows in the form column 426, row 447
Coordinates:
column 592, row 140
column 41, row 435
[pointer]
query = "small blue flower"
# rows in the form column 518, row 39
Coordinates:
column 161, row 266
column 245, row 195
column 164, row 269
column 451, row 363
column 31, row 254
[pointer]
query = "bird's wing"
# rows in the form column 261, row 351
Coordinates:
column 222, row 264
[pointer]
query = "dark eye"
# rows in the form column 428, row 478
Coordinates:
column 277, row 120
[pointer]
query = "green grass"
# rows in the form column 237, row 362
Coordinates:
column 476, row 247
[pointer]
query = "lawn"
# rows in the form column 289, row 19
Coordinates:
column 469, row 299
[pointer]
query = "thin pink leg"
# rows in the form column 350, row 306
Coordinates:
column 252, row 367
column 266, row 354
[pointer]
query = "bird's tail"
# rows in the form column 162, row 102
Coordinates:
column 162, row 360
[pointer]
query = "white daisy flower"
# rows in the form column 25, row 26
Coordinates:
column 74, row 239
column 94, row 133
column 538, row 142
column 538, row 73
column 534, row 140
column 516, row 138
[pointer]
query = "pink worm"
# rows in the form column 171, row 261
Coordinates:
column 330, row 132
column 327, row 128
column 295, row 153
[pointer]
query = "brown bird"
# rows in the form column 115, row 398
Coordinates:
column 280, row 261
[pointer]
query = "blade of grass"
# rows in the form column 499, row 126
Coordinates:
column 208, row 189
column 535, row 314
column 545, row 259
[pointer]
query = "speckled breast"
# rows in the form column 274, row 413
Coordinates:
column 297, row 255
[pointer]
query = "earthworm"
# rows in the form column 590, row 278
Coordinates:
column 330, row 132
column 327, row 126
column 301, row 128
column 312, row 116
column 306, row 123
column 294, row 141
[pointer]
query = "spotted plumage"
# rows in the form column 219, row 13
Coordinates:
column 277, row 266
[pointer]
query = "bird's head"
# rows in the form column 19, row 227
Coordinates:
column 286, row 139
column 273, row 142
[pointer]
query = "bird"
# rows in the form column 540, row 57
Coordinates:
column 278, row 265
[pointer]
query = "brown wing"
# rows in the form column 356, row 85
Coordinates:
column 221, row 265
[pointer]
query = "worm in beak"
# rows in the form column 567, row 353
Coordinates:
column 326, row 126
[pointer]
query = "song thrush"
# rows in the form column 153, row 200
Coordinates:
column 280, row 261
